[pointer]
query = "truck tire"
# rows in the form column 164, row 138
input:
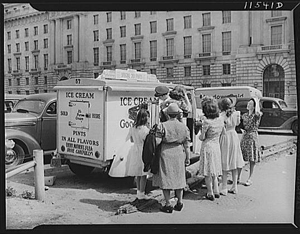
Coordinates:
column 295, row 127
column 80, row 170
column 14, row 156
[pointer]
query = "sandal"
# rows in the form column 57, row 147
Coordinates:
column 233, row 190
column 248, row 183
column 210, row 197
column 178, row 206
column 223, row 192
column 167, row 209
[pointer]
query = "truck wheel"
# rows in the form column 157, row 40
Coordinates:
column 14, row 156
column 295, row 127
column 80, row 170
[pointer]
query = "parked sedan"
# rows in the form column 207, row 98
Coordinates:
column 31, row 125
column 10, row 100
column 276, row 114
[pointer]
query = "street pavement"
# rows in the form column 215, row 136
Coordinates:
column 269, row 200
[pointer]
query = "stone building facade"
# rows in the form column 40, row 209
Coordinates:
column 198, row 48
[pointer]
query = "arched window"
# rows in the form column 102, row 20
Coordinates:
column 273, row 81
column 63, row 78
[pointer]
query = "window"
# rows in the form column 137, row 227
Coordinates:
column 276, row 35
column 36, row 44
column 26, row 46
column 27, row 80
column 45, row 91
column 123, row 52
column 46, row 61
column 69, row 24
column 36, row 80
column 108, row 53
column 153, row 49
column 26, row 32
column 9, row 64
column 96, row 74
column 187, row 71
column 170, row 46
column 137, row 29
column 96, row 35
column 45, row 28
column 18, row 47
column 153, row 71
column 152, row 12
column 69, row 57
column 27, row 92
column 69, row 39
column 36, row 61
column 8, row 35
column 35, row 30
column 123, row 31
column 18, row 82
column 18, row 63
column 96, row 56
column 96, row 19
column 45, row 43
column 226, row 43
column 109, row 33
column 206, row 70
column 17, row 34
column 108, row 16
column 36, row 91
column 187, row 45
column 170, row 72
column 206, row 19
column 226, row 17
column 226, row 69
column 137, row 14
column 170, row 25
column 153, row 27
column 137, row 50
column 27, row 63
column 187, row 21
column 276, row 13
column 8, row 49
column 123, row 15
column 206, row 43
column 45, row 80
column 9, row 82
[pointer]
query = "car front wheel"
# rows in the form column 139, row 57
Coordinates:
column 295, row 127
column 14, row 156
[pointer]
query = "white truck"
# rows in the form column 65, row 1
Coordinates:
column 94, row 116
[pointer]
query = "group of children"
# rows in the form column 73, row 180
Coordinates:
column 221, row 150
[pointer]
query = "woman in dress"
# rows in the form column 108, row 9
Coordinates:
column 137, row 135
column 231, row 154
column 249, row 141
column 210, row 153
column 174, row 138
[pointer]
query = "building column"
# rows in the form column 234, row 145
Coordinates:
column 82, row 31
column 58, row 40
column 52, row 42
column 76, row 38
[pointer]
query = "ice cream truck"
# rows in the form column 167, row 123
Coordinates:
column 94, row 117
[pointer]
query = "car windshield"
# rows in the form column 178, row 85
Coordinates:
column 283, row 104
column 35, row 106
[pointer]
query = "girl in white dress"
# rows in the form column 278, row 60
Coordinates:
column 137, row 134
column 231, row 154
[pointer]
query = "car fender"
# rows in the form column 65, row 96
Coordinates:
column 288, row 124
column 30, row 143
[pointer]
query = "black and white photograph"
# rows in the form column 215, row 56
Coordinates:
column 170, row 116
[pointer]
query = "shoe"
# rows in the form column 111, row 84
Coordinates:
column 238, row 182
column 217, row 195
column 248, row 183
column 178, row 206
column 210, row 197
column 167, row 209
column 223, row 192
column 143, row 196
column 233, row 190
column 229, row 182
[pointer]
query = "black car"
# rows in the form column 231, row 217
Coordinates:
column 276, row 114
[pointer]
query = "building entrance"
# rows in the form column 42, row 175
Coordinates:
column 273, row 78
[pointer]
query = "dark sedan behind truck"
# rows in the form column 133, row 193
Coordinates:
column 276, row 114
column 31, row 125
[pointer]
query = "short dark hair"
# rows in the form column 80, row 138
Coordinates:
column 226, row 104
column 210, row 107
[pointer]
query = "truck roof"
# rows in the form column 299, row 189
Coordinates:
column 226, row 87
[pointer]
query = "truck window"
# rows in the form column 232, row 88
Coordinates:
column 51, row 109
